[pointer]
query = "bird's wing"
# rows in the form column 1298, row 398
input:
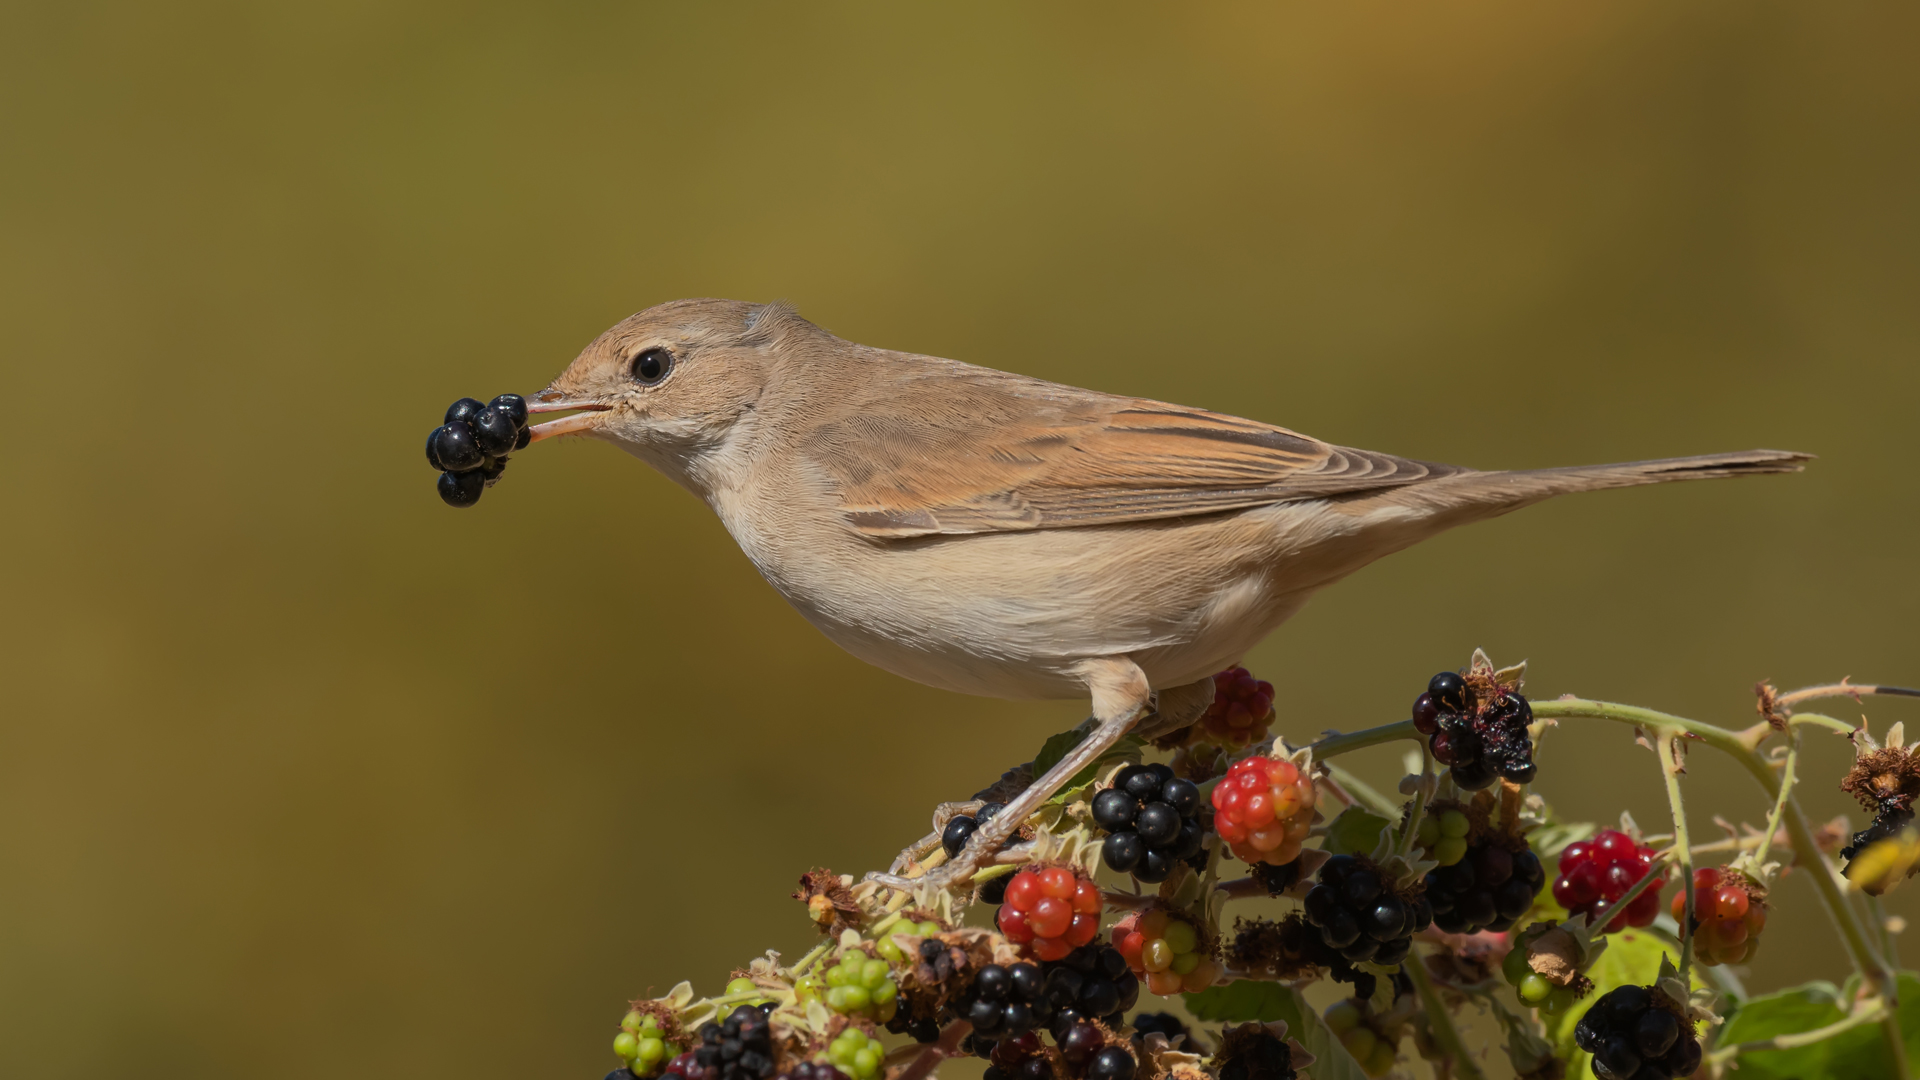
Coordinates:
column 958, row 450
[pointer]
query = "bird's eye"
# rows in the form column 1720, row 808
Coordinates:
column 651, row 366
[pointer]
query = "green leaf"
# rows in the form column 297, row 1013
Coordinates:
column 1854, row 1053
column 1238, row 1002
column 1354, row 832
column 1059, row 746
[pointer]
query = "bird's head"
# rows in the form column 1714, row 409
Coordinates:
column 672, row 384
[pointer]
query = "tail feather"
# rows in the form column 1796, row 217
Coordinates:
column 1473, row 495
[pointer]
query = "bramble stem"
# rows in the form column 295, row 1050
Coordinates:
column 1779, row 803
column 1360, row 740
column 1867, row 1015
column 801, row 965
column 1653, row 874
column 1842, row 688
column 1361, row 791
column 1405, row 842
column 1440, row 1022
column 1682, row 849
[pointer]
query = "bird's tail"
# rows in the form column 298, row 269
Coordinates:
column 1474, row 495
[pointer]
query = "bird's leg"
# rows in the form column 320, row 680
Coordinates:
column 1120, row 695
column 1176, row 708
column 920, row 848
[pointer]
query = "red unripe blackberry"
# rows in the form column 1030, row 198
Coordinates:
column 1594, row 873
column 1051, row 911
column 1729, row 910
column 1242, row 708
column 1263, row 809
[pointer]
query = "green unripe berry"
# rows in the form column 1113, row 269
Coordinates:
column 865, row 1062
column 633, row 1020
column 840, row 1053
column 889, row 948
column 1454, row 823
column 1562, row 999
column 929, row 928
column 741, row 985
column 885, row 992
column 1180, row 937
column 1514, row 967
column 873, row 973
column 1427, row 832
column 1381, row 1060
column 652, row 1052
column 1342, row 1017
column 808, row 987
column 1360, row 1043
column 1450, row 850
column 625, row 1046
column 1534, row 989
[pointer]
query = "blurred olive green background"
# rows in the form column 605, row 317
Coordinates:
column 303, row 774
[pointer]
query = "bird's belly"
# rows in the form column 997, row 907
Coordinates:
column 1010, row 615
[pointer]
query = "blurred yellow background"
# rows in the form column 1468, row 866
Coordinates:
column 303, row 774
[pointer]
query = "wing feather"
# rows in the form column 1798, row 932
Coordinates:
column 957, row 450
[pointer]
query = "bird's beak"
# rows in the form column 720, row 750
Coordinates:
column 547, row 401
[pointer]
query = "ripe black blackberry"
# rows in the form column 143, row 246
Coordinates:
column 1888, row 822
column 813, row 1070
column 1634, row 1034
column 739, row 1048
column 1005, row 1001
column 1362, row 916
column 1480, row 735
column 1153, row 820
column 471, row 445
column 1092, row 983
column 1023, row 1057
column 1486, row 890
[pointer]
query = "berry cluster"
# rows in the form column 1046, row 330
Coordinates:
column 1480, row 737
column 856, row 1054
column 1360, row 916
column 1092, row 983
column 1374, row 1052
column 1487, row 889
column 813, row 1070
column 1083, row 1050
column 1594, row 873
column 859, row 985
column 641, row 1043
column 470, row 447
column 960, row 829
column 1051, row 911
column 1263, row 808
column 1632, row 1035
column 1006, row 1001
column 1241, row 710
column 1728, row 912
column 740, row 1048
column 1152, row 819
column 1165, row 950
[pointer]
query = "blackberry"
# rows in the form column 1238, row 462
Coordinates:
column 1888, row 822
column 1481, row 736
column 1006, row 1001
column 1485, row 890
column 1276, row 879
column 1633, row 1035
column 1020, row 1058
column 1595, row 873
column 1092, row 983
column 1153, row 820
column 739, row 1048
column 1361, row 916
column 471, row 445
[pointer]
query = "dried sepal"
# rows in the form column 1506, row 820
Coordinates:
column 1561, row 953
column 1886, row 777
column 1527, row 1047
column 829, row 899
column 1693, row 1006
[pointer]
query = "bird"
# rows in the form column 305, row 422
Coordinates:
column 999, row 535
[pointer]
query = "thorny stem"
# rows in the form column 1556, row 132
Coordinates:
column 1682, row 849
column 1780, row 802
column 1360, row 791
column 1873, row 969
column 801, row 965
column 1652, row 875
column 1440, row 1021
column 1878, row 1010
column 1842, row 688
column 1419, row 804
column 1360, row 740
